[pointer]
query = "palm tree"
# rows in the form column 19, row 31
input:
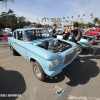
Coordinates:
column 91, row 16
column 48, row 20
column 45, row 19
column 63, row 20
column 78, row 17
column 72, row 18
column 81, row 19
column 83, row 16
column 68, row 17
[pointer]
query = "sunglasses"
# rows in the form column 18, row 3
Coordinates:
column 71, row 25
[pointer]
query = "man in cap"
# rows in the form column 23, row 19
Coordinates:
column 54, row 32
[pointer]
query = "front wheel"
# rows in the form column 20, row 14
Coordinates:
column 14, row 52
column 38, row 72
column 79, row 49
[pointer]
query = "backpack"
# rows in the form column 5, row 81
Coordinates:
column 79, row 35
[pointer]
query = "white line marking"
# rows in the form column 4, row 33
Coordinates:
column 33, row 91
column 82, row 98
column 2, row 65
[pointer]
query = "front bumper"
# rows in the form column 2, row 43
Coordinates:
column 61, row 66
column 89, row 45
column 76, row 60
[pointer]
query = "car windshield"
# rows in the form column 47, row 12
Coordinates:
column 31, row 35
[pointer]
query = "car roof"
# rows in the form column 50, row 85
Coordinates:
column 29, row 29
column 63, row 28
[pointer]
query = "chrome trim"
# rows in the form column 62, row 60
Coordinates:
column 68, row 57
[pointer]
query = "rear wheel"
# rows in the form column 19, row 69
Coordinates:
column 38, row 72
column 79, row 49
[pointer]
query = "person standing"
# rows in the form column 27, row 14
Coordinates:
column 54, row 32
column 66, row 33
column 76, row 33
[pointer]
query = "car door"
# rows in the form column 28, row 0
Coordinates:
column 20, row 43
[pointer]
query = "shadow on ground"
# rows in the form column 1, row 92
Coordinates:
column 81, row 73
column 96, row 43
column 11, row 82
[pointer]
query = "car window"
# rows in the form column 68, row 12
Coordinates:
column 30, row 35
column 20, row 35
column 60, row 32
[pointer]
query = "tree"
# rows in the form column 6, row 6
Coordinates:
column 72, row 18
column 91, row 15
column 95, row 20
column 38, row 25
column 10, row 12
column 5, row 1
column 9, row 19
column 99, row 21
column 78, row 17
column 81, row 19
column 83, row 16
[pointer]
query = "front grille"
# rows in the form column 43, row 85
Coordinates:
column 69, row 56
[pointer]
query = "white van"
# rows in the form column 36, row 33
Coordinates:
column 7, row 30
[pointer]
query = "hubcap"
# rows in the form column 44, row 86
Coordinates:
column 37, row 72
column 79, row 49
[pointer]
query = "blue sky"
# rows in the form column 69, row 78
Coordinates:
column 33, row 9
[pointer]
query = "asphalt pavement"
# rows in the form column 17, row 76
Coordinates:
column 17, row 80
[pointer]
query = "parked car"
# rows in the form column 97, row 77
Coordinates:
column 85, row 42
column 49, row 55
column 92, row 32
column 98, row 29
column 1, row 33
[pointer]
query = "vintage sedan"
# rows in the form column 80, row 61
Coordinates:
column 85, row 42
column 49, row 56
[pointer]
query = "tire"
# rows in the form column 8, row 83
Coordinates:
column 80, row 49
column 14, row 52
column 38, row 72
column 98, row 37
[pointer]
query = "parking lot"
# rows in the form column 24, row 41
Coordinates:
column 82, row 82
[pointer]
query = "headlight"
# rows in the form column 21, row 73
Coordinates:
column 54, row 63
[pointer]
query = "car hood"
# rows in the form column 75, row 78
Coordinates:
column 33, row 46
column 84, row 41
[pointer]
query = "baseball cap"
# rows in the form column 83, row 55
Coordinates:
column 54, row 25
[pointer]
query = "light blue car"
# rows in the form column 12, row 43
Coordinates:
column 49, row 56
column 85, row 42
